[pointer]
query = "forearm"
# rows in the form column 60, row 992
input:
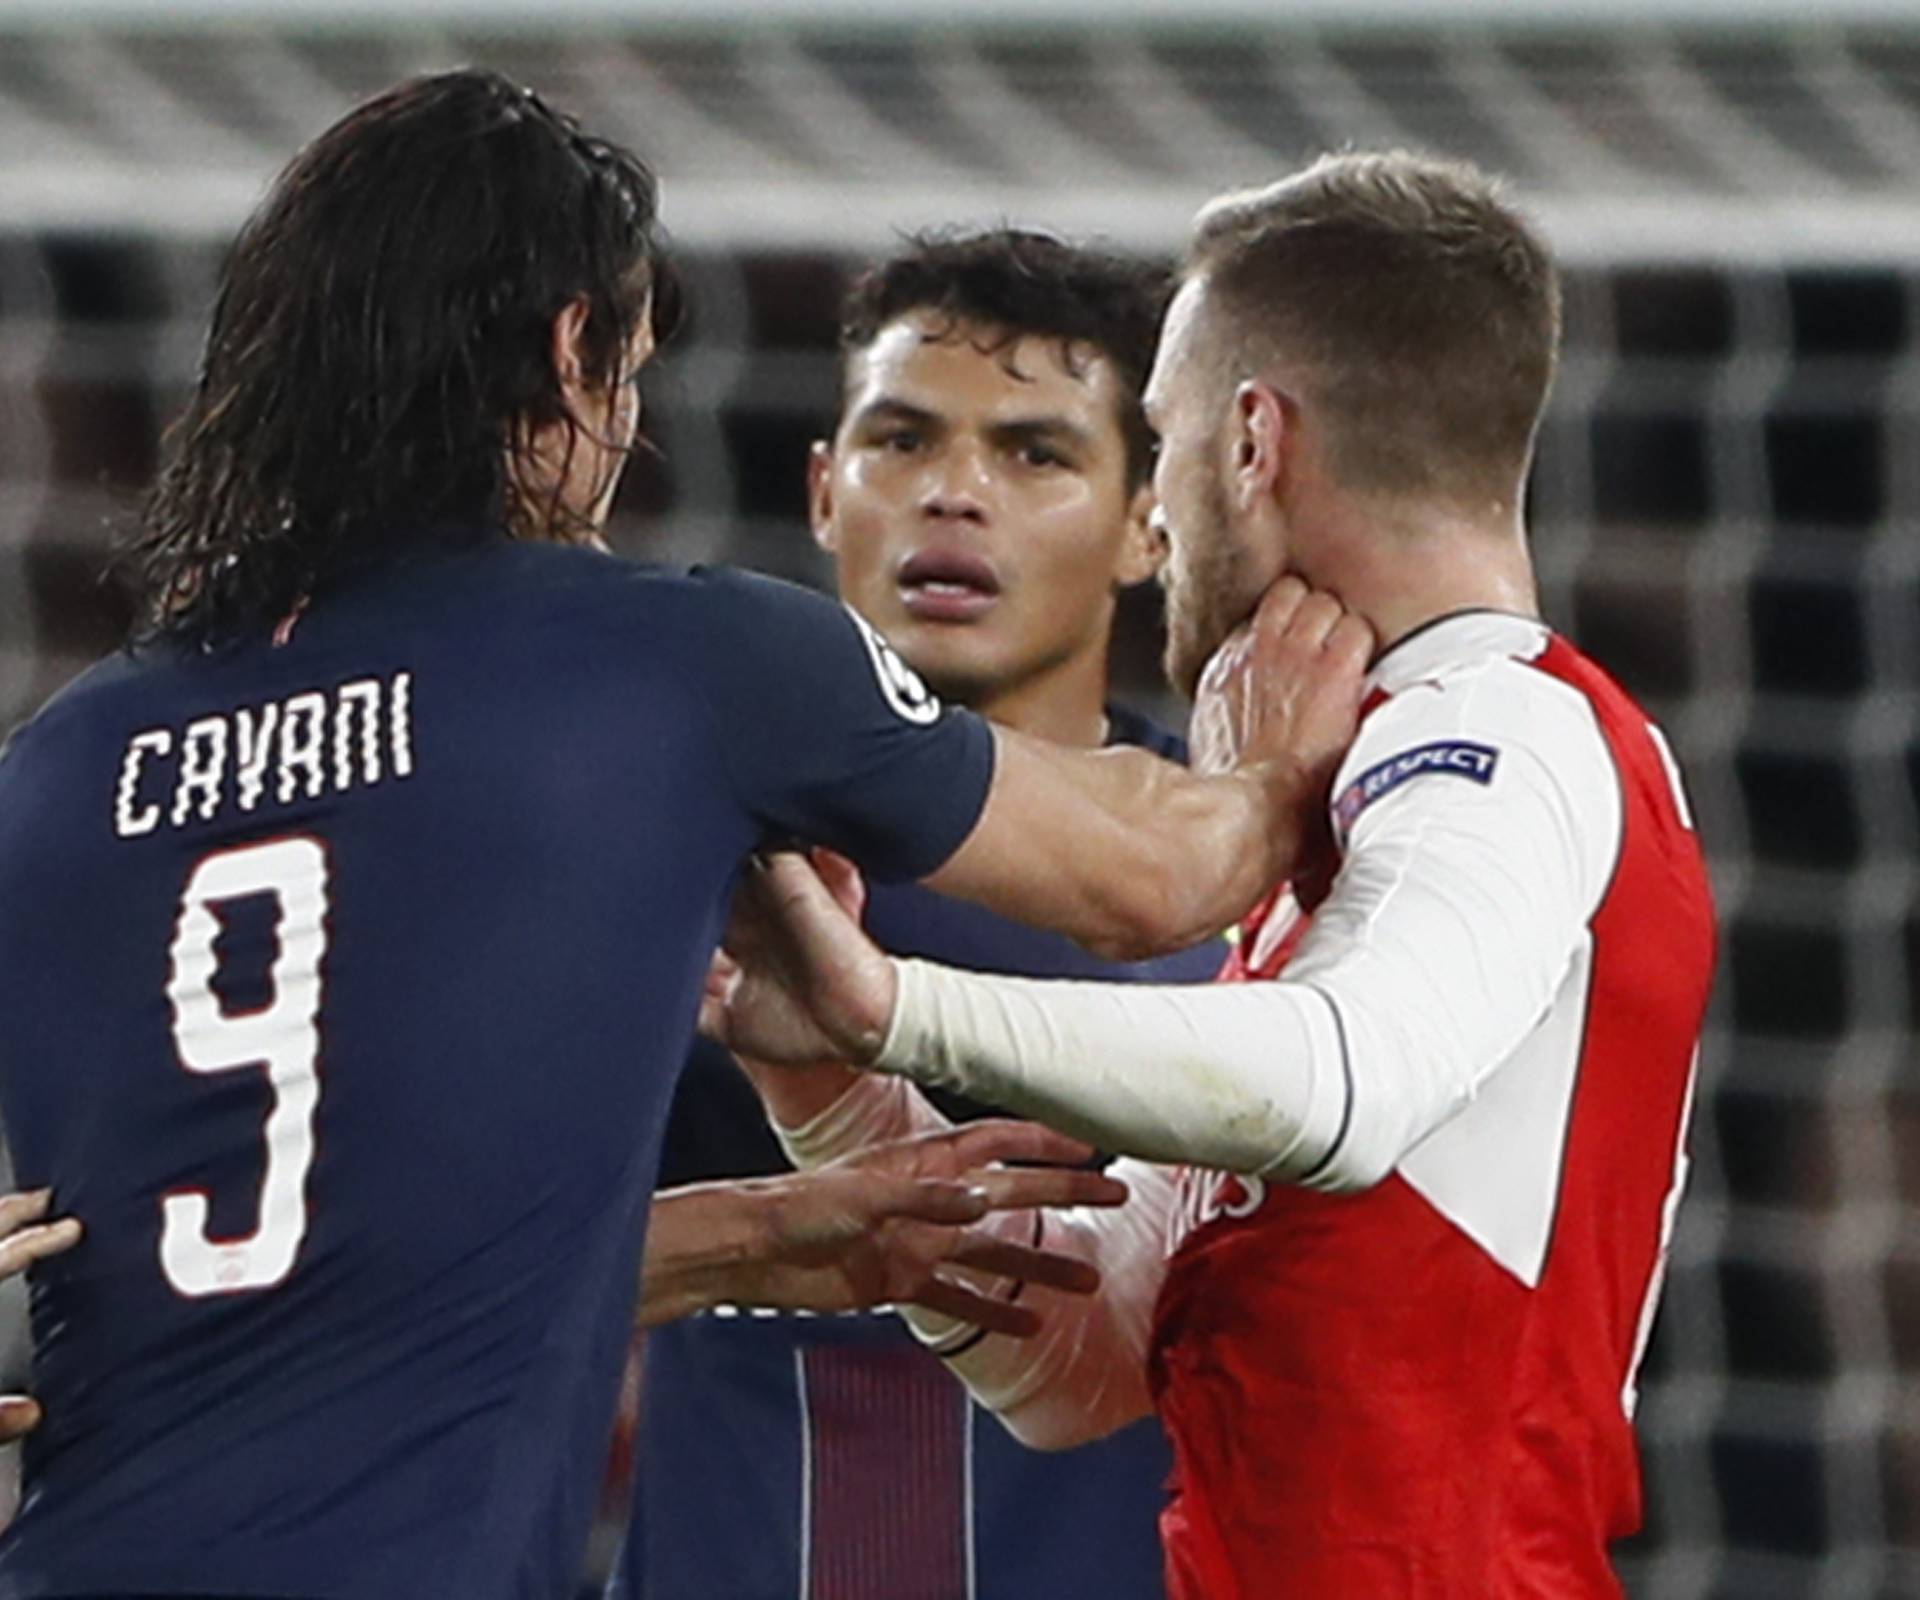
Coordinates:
column 1084, row 1374
column 1183, row 856
column 1443, row 944
column 705, row 1245
column 1249, row 1078
column 1128, row 854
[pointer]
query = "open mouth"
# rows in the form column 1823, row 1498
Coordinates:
column 947, row 585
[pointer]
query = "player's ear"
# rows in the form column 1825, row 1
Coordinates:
column 1142, row 550
column 820, row 495
column 1263, row 438
column 568, row 352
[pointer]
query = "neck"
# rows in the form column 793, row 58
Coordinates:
column 1405, row 567
column 1066, row 704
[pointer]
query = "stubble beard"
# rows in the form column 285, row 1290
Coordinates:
column 1205, row 601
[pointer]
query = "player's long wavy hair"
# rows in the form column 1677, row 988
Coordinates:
column 381, row 347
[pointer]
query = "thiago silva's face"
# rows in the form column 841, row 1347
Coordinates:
column 1214, row 575
column 975, row 496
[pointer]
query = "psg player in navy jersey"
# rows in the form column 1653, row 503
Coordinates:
column 984, row 497
column 354, row 922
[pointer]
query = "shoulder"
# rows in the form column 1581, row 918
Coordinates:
column 1496, row 726
column 535, row 567
column 100, row 687
column 711, row 620
column 1506, row 701
column 750, row 610
column 725, row 607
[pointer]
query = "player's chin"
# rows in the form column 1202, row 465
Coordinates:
column 963, row 665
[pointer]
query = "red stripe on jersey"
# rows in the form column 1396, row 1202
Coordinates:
column 886, row 1476
column 1362, row 1401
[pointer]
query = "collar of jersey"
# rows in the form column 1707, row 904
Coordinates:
column 1456, row 639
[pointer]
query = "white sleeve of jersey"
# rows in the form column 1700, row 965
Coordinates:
column 1480, row 815
column 1084, row 1374
column 1463, row 895
column 871, row 1111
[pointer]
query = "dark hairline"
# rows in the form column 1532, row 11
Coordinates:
column 1012, row 285
column 1125, row 410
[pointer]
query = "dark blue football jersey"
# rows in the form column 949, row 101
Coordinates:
column 343, row 986
column 780, row 1456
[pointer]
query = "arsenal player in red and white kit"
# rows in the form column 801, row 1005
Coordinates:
column 1406, row 1177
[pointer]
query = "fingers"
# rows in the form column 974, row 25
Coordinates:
column 791, row 885
column 842, row 879
column 24, row 1239
column 1315, row 618
column 29, row 1245
column 723, row 977
column 1225, row 660
column 747, row 933
column 17, row 1210
column 983, row 1311
column 1300, row 623
column 1277, row 606
column 19, row 1416
column 1350, row 643
column 1005, row 1259
column 1310, row 618
column 832, row 969
column 945, row 1200
column 981, row 1144
column 1022, row 1188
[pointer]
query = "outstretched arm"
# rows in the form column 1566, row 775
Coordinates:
column 1134, row 856
column 823, row 734
column 1445, row 938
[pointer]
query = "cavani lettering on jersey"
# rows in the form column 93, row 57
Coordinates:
column 1458, row 758
column 353, row 736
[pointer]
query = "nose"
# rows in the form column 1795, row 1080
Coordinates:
column 957, row 486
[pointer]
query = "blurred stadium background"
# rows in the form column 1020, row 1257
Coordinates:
column 1725, row 508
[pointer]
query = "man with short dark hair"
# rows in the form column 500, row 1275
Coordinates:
column 353, row 925
column 1423, row 1147
column 985, row 497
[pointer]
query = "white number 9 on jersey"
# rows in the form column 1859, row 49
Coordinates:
column 282, row 1038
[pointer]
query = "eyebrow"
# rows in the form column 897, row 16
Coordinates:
column 889, row 409
column 1023, row 428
